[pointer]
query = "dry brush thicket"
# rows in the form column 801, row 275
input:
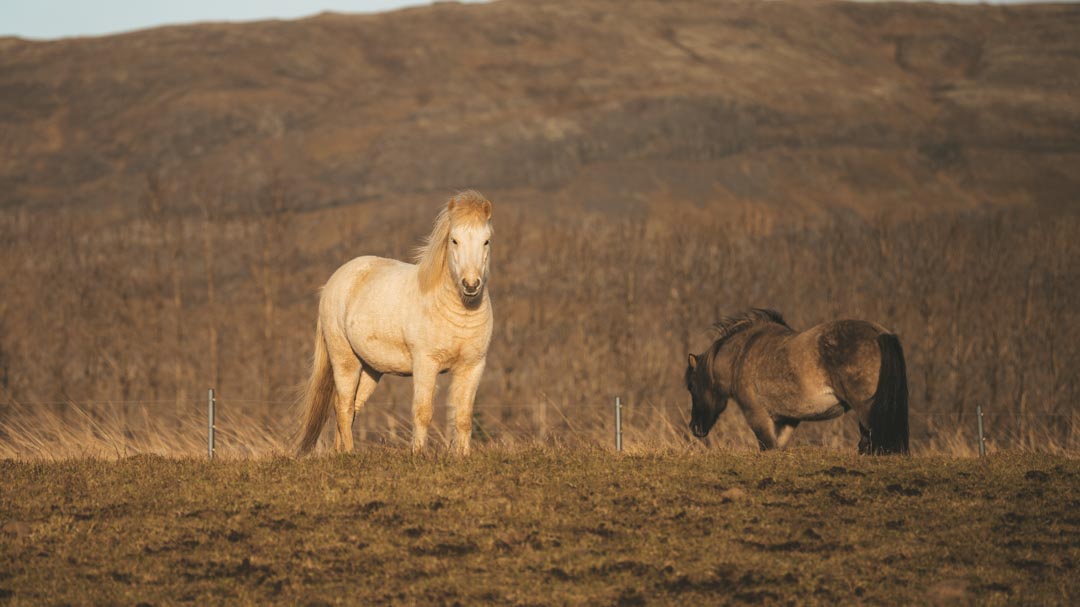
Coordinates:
column 203, row 288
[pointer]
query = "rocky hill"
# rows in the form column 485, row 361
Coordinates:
column 599, row 103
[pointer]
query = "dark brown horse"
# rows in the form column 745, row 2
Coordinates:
column 780, row 377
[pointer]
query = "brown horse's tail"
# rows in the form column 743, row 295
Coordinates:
column 318, row 396
column 889, row 411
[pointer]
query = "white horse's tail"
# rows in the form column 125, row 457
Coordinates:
column 318, row 397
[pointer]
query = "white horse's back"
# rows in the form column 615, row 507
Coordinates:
column 367, row 304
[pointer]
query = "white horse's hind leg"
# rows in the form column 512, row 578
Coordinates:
column 346, row 377
column 424, row 374
column 462, row 394
column 369, row 380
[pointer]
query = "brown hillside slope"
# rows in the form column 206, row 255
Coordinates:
column 171, row 201
column 609, row 104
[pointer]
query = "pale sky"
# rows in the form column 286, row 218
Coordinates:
column 48, row 19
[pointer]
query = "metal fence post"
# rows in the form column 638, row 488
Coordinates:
column 982, row 438
column 618, row 424
column 210, row 424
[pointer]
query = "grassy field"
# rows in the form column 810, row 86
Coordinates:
column 543, row 525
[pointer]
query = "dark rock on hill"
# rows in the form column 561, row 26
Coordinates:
column 605, row 104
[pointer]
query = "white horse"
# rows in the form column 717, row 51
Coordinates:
column 379, row 315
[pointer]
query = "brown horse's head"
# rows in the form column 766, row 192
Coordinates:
column 708, row 396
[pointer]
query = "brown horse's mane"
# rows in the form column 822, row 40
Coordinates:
column 730, row 325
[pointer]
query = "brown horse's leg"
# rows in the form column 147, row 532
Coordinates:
column 784, row 430
column 764, row 429
column 863, row 411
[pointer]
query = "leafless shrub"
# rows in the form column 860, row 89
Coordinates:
column 199, row 290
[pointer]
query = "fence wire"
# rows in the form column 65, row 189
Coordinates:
column 389, row 421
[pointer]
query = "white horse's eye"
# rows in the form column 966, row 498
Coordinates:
column 487, row 242
column 453, row 241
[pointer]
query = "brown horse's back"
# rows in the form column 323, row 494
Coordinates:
column 800, row 372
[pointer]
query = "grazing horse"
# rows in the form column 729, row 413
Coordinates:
column 379, row 315
column 780, row 377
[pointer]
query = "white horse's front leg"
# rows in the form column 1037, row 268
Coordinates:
column 462, row 395
column 424, row 375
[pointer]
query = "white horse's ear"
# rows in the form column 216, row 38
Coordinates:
column 487, row 209
column 692, row 361
column 450, row 205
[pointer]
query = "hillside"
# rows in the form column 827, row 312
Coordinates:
column 597, row 103
column 171, row 200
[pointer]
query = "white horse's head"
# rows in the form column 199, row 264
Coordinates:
column 469, row 248
column 460, row 246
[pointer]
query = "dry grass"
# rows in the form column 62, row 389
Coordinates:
column 588, row 306
column 117, row 432
column 543, row 524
